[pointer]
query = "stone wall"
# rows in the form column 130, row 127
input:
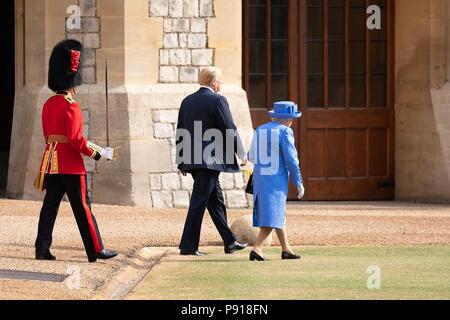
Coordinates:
column 185, row 36
column 422, row 101
column 143, row 107
column 145, row 173
column 185, row 51
column 89, row 36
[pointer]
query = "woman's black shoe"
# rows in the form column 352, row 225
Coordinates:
column 289, row 256
column 256, row 257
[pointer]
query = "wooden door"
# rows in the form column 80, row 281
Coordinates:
column 7, row 86
column 320, row 54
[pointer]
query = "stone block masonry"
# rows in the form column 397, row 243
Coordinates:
column 156, row 49
column 89, row 36
column 185, row 37
column 173, row 190
column 185, row 50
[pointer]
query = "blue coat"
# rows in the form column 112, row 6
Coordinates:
column 275, row 158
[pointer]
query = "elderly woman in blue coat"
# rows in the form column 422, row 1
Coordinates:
column 275, row 160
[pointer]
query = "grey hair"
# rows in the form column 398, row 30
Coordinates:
column 282, row 121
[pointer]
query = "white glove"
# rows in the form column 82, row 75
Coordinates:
column 244, row 161
column 108, row 154
column 301, row 192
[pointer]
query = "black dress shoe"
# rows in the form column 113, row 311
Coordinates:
column 256, row 257
column 103, row 255
column 45, row 256
column 192, row 253
column 289, row 256
column 236, row 246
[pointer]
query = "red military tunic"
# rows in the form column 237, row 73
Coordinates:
column 62, row 122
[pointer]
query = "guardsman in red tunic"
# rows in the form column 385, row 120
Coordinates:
column 62, row 170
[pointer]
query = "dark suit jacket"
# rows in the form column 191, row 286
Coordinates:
column 213, row 112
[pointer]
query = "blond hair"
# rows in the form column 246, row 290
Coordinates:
column 208, row 75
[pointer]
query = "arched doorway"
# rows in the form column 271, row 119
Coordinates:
column 320, row 54
column 7, row 86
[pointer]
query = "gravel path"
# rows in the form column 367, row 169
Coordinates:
column 128, row 229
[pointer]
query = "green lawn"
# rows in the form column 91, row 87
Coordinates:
column 415, row 272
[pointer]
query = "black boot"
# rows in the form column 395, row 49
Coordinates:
column 103, row 255
column 45, row 256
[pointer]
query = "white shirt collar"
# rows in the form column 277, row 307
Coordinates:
column 208, row 88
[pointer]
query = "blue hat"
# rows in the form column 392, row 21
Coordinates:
column 285, row 110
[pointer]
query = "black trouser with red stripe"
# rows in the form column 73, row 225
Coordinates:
column 75, row 186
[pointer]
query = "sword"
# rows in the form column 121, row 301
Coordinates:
column 108, row 144
column 107, row 103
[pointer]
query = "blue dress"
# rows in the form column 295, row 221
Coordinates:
column 275, row 159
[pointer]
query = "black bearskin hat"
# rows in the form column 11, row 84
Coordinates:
column 65, row 64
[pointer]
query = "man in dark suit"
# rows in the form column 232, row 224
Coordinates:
column 207, row 113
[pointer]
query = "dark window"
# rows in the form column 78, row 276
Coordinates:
column 346, row 64
column 266, row 66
